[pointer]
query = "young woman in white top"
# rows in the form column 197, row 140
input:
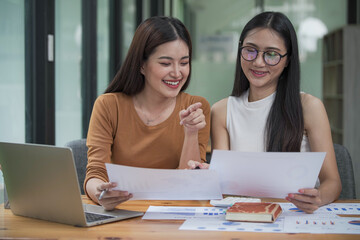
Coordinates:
column 266, row 110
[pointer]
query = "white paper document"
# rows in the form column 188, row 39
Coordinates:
column 323, row 220
column 292, row 220
column 216, row 224
column 290, row 224
column 266, row 174
column 183, row 213
column 289, row 209
column 322, row 224
column 165, row 184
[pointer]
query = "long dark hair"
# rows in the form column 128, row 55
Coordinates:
column 285, row 123
column 150, row 34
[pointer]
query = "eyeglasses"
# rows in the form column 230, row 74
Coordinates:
column 271, row 58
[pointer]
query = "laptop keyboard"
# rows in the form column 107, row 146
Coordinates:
column 93, row 217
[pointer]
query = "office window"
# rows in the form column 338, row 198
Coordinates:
column 312, row 19
column 12, row 80
column 102, row 45
column 215, row 42
column 215, row 39
column 12, row 68
column 68, row 43
column 129, row 24
column 68, row 101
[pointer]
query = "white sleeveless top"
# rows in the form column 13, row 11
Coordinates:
column 246, row 123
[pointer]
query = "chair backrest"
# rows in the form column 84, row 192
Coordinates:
column 346, row 172
column 79, row 150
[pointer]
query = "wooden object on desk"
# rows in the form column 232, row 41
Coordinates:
column 12, row 226
column 253, row 212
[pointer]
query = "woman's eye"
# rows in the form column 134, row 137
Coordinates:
column 184, row 63
column 251, row 50
column 271, row 54
column 165, row 64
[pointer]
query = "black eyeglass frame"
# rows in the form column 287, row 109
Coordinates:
column 257, row 54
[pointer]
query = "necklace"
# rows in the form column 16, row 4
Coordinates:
column 148, row 121
column 151, row 120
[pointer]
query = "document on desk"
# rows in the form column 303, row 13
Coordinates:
column 289, row 209
column 292, row 220
column 290, row 224
column 165, row 184
column 183, row 213
column 266, row 174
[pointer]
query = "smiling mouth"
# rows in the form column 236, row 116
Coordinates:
column 172, row 83
column 258, row 73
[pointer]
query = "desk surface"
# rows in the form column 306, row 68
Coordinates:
column 12, row 226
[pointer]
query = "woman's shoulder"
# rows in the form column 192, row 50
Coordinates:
column 189, row 99
column 188, row 96
column 314, row 111
column 112, row 97
column 220, row 106
column 310, row 102
column 112, row 102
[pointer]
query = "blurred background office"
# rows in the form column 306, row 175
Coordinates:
column 57, row 56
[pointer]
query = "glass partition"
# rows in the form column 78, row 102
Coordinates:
column 102, row 45
column 215, row 27
column 312, row 19
column 67, row 70
column 12, row 78
column 128, row 24
column 12, row 70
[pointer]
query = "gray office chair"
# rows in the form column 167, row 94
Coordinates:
column 79, row 150
column 346, row 172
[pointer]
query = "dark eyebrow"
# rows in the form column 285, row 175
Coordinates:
column 266, row 49
column 170, row 58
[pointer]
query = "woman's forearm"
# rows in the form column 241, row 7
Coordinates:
column 190, row 150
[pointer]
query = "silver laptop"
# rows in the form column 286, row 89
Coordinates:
column 41, row 182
